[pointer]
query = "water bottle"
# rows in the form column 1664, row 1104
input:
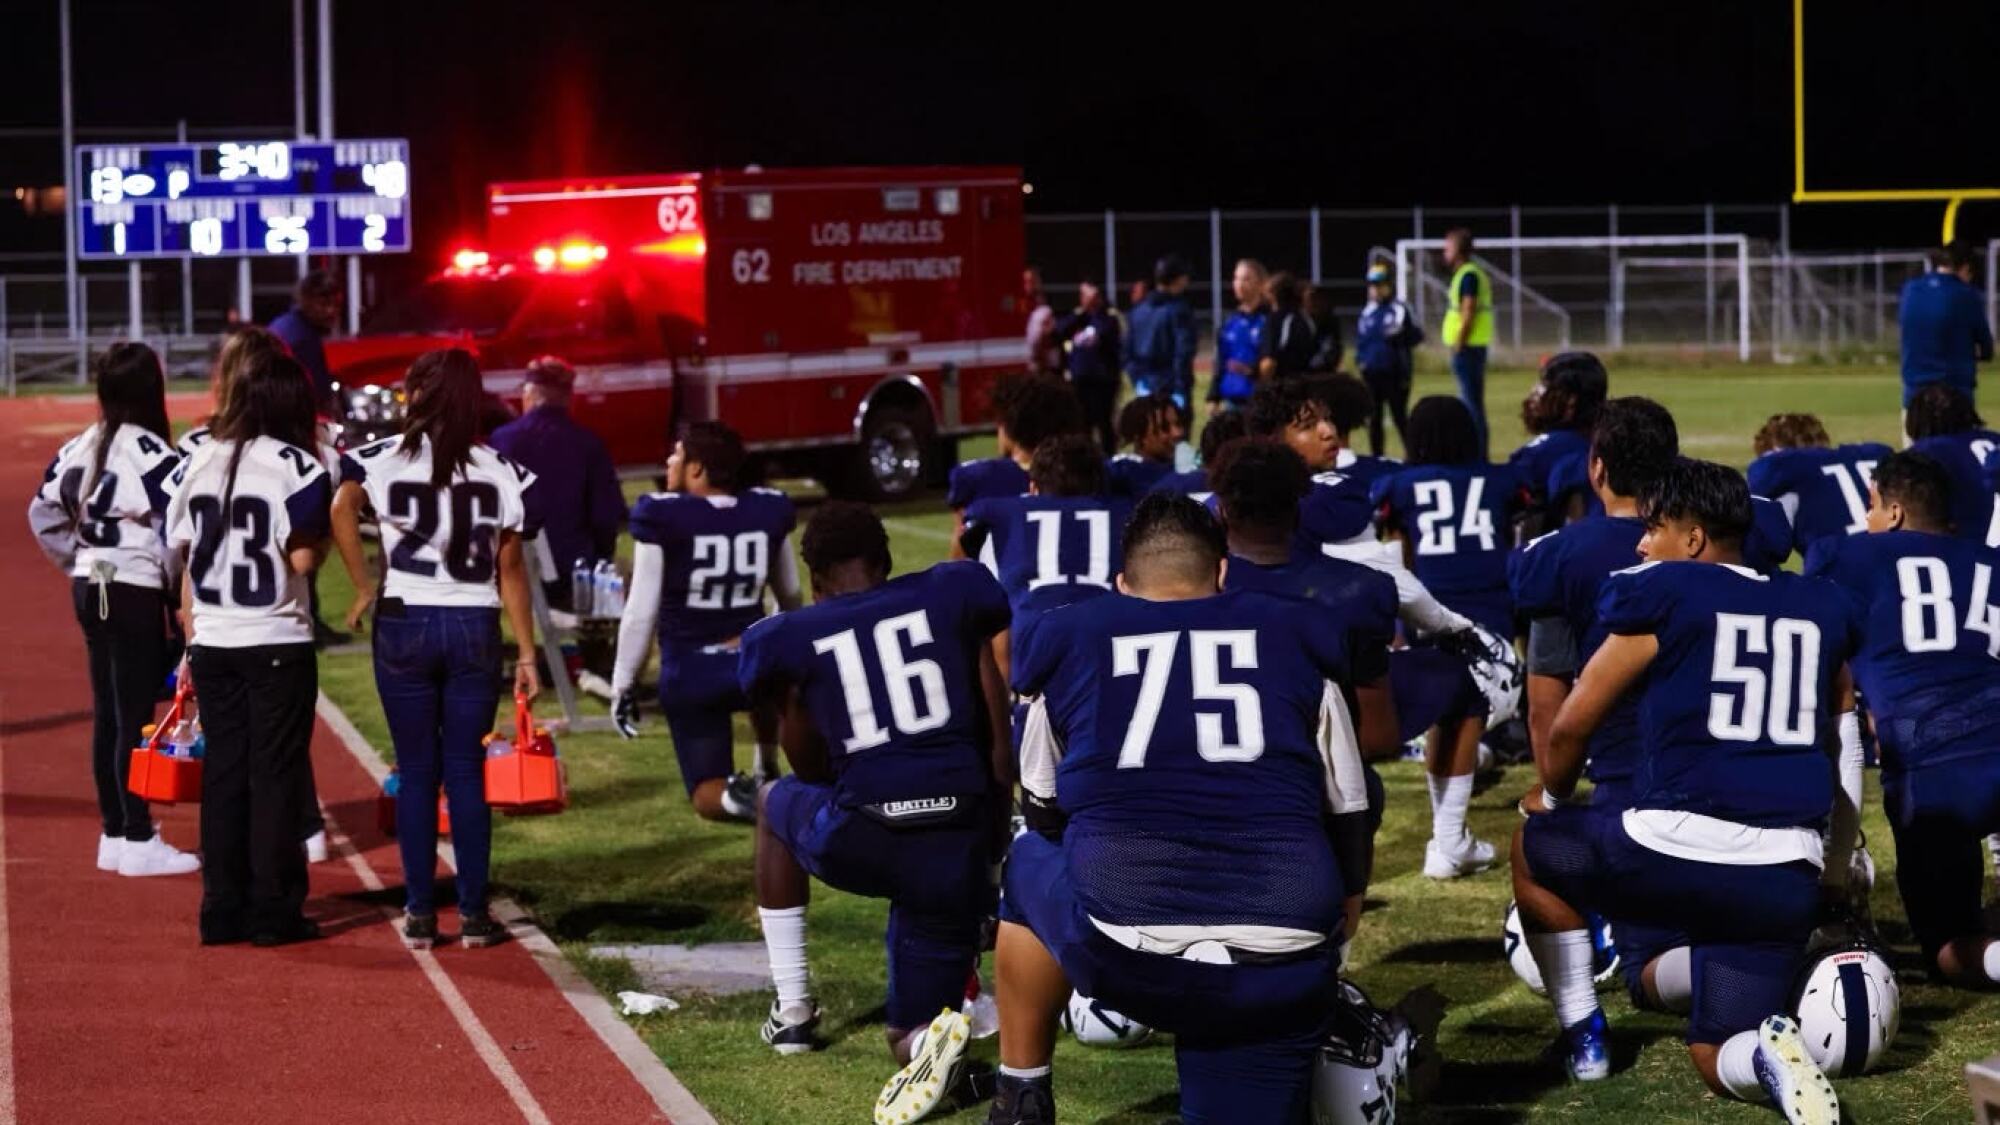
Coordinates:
column 605, row 591
column 617, row 606
column 181, row 743
column 580, row 582
column 392, row 785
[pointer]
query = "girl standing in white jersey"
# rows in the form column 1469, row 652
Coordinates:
column 98, row 516
column 453, row 517
column 250, row 508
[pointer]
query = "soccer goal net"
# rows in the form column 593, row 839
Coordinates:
column 1553, row 293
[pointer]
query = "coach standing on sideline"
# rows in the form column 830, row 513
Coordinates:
column 576, row 489
column 1943, row 325
column 1468, row 325
column 315, row 310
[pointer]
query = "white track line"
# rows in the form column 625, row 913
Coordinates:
column 468, row 1022
column 6, row 986
column 918, row 530
column 660, row 1083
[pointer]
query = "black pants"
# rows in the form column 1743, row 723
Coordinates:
column 1392, row 391
column 257, row 712
column 128, row 663
column 1098, row 397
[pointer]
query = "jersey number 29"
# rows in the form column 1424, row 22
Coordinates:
column 729, row 571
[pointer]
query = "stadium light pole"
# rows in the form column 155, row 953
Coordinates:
column 69, row 179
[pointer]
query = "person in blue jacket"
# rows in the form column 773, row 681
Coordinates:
column 1942, row 321
column 1238, row 337
column 1159, row 347
column 1384, row 345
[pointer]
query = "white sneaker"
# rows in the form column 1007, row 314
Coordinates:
column 936, row 1054
column 109, row 848
column 156, row 857
column 1787, row 1072
column 1466, row 856
column 316, row 847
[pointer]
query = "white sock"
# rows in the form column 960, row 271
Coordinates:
column 785, row 942
column 1673, row 978
column 1450, row 798
column 766, row 766
column 1990, row 961
column 1565, row 959
column 1023, row 1073
column 1736, row 1067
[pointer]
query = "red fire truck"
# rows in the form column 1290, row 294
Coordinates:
column 848, row 322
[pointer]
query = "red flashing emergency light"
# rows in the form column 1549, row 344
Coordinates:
column 690, row 245
column 468, row 260
column 570, row 255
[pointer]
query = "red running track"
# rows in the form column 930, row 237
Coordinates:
column 117, row 1014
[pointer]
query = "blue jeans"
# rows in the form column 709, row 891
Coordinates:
column 1468, row 366
column 437, row 670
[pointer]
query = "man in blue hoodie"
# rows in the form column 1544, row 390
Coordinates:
column 1159, row 348
column 1943, row 324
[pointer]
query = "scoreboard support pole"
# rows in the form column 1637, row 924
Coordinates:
column 353, row 294
column 243, row 289
column 135, row 328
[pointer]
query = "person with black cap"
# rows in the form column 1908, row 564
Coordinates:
column 1159, row 347
column 1383, row 346
column 577, row 490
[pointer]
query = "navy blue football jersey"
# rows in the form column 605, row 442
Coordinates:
column 1048, row 551
column 1360, row 599
column 1194, row 482
column 1824, row 489
column 1769, row 542
column 1965, row 456
column 890, row 677
column 1365, row 468
column 1191, row 771
column 1334, row 511
column 1536, row 462
column 1456, row 519
column 1569, row 478
column 718, row 552
column 985, row 478
column 1133, row 476
column 1561, row 575
column 1929, row 664
column 1737, row 703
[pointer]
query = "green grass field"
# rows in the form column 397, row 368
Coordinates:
column 629, row 862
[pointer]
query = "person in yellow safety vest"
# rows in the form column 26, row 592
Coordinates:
column 1468, row 324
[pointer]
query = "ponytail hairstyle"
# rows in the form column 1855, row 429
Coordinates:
column 446, row 399
column 271, row 397
column 131, row 390
column 243, row 346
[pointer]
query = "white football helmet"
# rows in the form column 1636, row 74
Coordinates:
column 1849, row 1006
column 1514, row 942
column 1095, row 1025
column 1356, row 1071
column 1495, row 668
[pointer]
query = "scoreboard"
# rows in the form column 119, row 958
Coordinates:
column 242, row 198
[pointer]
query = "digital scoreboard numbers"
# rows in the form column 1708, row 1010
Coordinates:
column 238, row 198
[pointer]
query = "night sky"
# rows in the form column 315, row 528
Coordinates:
column 1242, row 106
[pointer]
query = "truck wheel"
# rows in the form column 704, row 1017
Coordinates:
column 895, row 443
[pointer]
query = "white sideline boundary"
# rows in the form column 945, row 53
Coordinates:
column 660, row 1084
column 6, row 984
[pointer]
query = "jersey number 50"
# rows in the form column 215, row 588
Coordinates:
column 1783, row 703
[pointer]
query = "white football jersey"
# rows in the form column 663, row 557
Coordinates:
column 244, row 591
column 113, row 518
column 329, row 453
column 442, row 545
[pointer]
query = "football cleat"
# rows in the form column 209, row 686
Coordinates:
column 1023, row 1101
column 1787, row 1072
column 420, row 931
column 1466, row 856
column 792, row 1030
column 936, row 1055
column 1586, row 1048
column 739, row 797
